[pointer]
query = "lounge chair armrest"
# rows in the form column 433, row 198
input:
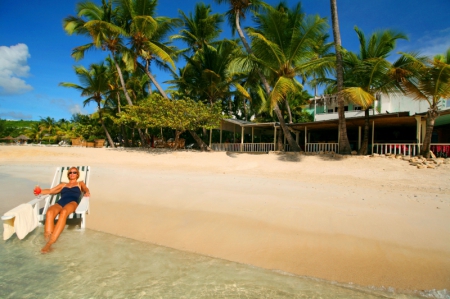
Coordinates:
column 38, row 199
column 83, row 206
column 32, row 202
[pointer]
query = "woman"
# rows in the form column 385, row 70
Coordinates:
column 70, row 194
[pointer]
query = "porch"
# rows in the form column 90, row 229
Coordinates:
column 397, row 133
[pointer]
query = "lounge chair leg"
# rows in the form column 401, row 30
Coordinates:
column 83, row 220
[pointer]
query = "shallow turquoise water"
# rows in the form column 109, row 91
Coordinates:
column 90, row 264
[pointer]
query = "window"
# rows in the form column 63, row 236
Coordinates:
column 337, row 108
column 357, row 108
column 330, row 110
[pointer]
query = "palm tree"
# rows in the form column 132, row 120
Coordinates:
column 206, row 77
column 370, row 73
column 35, row 131
column 95, row 85
column 48, row 126
column 281, row 43
column 114, row 94
column 431, row 83
column 65, row 129
column 101, row 26
column 321, row 62
column 344, row 144
column 147, row 34
column 200, row 29
column 238, row 9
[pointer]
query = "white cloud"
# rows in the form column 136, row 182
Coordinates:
column 14, row 115
column 431, row 43
column 13, row 66
column 76, row 109
column 68, row 105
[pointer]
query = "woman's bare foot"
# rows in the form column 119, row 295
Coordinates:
column 46, row 248
column 47, row 236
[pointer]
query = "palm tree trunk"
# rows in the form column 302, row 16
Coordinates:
column 288, row 108
column 122, row 127
column 344, row 144
column 203, row 146
column 432, row 114
column 161, row 91
column 294, row 146
column 104, row 127
column 280, row 144
column 365, row 143
column 177, row 137
column 127, row 96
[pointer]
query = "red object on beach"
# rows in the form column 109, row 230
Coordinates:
column 37, row 190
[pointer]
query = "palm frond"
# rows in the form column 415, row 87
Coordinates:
column 359, row 96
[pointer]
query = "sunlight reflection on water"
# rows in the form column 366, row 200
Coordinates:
column 90, row 264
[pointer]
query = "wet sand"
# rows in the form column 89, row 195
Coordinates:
column 369, row 221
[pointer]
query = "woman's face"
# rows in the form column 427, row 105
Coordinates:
column 73, row 173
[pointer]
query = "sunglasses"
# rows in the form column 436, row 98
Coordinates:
column 73, row 172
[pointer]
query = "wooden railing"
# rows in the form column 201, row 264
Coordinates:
column 440, row 149
column 242, row 147
column 410, row 149
column 322, row 147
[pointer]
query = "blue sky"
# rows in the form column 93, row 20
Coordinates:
column 35, row 51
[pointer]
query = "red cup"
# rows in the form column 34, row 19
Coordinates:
column 37, row 190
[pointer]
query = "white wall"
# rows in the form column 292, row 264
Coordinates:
column 391, row 104
column 401, row 104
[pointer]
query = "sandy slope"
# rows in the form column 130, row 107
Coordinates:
column 370, row 221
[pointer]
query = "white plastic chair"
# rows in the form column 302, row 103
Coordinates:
column 61, row 177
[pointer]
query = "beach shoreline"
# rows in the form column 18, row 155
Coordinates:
column 368, row 221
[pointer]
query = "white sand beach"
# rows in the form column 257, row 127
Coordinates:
column 368, row 221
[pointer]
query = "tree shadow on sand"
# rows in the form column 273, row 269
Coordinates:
column 237, row 154
column 332, row 157
column 289, row 157
column 153, row 151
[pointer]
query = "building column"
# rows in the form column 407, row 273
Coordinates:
column 220, row 132
column 242, row 139
column 253, row 133
column 359, row 137
column 306, row 140
column 274, row 137
column 424, row 130
column 373, row 134
column 210, row 137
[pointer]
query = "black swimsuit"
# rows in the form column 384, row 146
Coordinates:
column 68, row 195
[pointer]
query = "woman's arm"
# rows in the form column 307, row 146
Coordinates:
column 85, row 189
column 54, row 190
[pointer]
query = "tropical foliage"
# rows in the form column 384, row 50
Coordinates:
column 369, row 72
column 259, row 77
column 428, row 80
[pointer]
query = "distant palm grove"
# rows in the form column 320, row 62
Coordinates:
column 259, row 76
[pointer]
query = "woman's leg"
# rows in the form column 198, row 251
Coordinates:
column 60, row 224
column 52, row 212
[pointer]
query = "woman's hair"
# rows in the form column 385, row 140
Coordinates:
column 73, row 167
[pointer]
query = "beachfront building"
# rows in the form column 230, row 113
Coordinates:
column 397, row 126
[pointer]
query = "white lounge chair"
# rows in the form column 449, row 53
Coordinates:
column 61, row 177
